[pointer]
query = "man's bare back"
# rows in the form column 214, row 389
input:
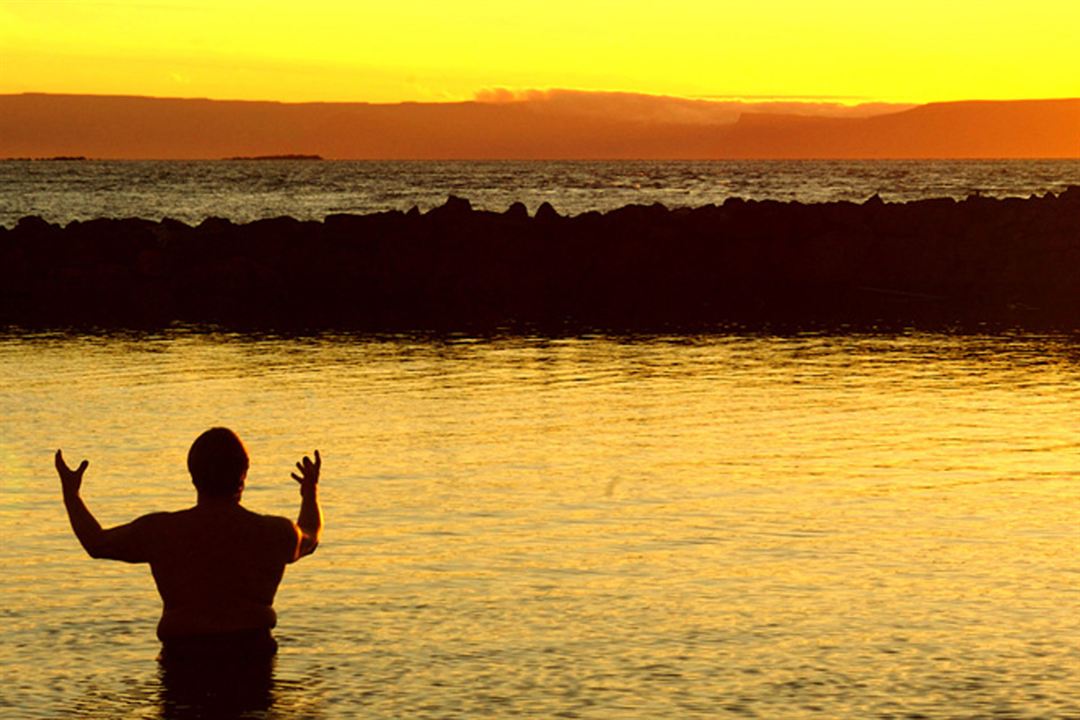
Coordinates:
column 217, row 565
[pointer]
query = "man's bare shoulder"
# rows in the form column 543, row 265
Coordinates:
column 277, row 521
column 280, row 533
column 156, row 519
column 275, row 525
column 159, row 524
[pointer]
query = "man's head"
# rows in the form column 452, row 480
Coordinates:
column 218, row 463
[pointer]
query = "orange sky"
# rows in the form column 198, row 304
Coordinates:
column 426, row 50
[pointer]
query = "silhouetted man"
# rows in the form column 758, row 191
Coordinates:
column 217, row 565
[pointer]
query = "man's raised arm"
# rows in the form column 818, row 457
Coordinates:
column 310, row 521
column 123, row 542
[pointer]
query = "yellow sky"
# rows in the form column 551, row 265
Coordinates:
column 431, row 50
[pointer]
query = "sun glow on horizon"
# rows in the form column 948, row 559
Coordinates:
column 418, row 50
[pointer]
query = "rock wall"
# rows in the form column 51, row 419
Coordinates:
column 929, row 263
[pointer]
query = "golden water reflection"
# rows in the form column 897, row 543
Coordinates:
column 744, row 525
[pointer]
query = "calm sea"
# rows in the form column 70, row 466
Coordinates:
column 725, row 525
column 728, row 525
column 248, row 190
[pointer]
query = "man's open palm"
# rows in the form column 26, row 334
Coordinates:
column 309, row 472
column 70, row 480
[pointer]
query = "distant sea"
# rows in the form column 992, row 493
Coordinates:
column 243, row 190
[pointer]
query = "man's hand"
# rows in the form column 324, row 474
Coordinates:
column 71, row 480
column 310, row 520
column 309, row 473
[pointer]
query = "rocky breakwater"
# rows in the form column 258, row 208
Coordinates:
column 932, row 262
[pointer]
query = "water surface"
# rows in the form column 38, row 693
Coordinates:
column 192, row 191
column 728, row 525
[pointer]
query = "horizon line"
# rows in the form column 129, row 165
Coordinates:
column 520, row 97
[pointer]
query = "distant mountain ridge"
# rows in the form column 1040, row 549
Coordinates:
column 553, row 125
column 968, row 129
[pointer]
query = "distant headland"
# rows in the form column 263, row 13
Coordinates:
column 981, row 262
column 544, row 126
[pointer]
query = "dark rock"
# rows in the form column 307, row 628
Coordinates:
column 517, row 212
column 216, row 224
column 546, row 212
column 33, row 224
column 931, row 262
column 453, row 207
